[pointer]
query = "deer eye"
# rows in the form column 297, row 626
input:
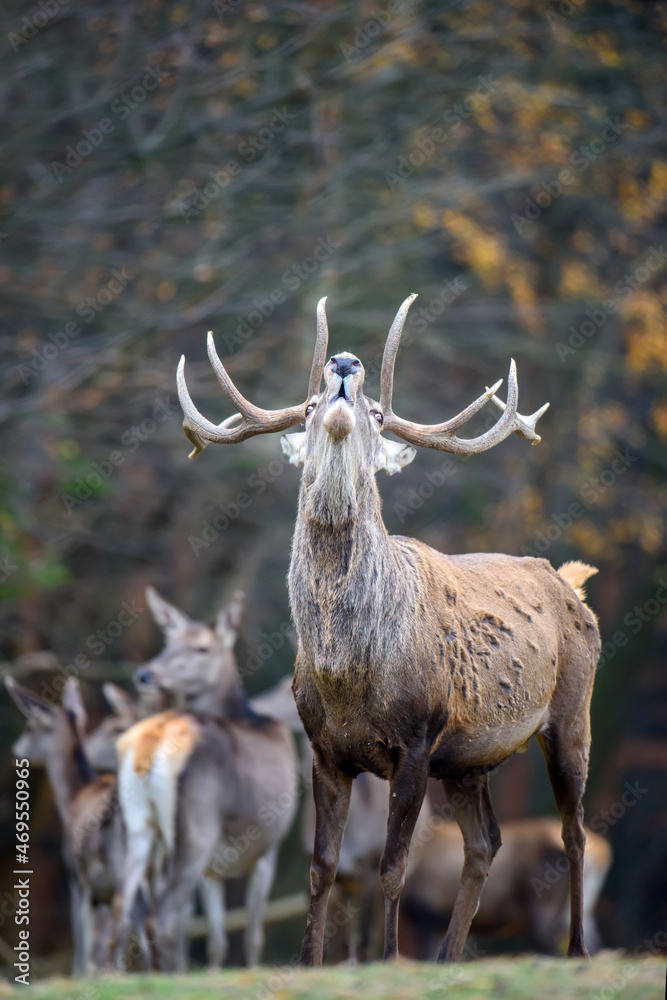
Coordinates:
column 378, row 416
column 310, row 408
column 201, row 649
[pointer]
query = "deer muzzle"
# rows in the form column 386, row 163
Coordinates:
column 343, row 375
column 339, row 420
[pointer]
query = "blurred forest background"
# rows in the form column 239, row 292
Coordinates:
column 171, row 168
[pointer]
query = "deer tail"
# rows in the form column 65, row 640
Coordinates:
column 576, row 574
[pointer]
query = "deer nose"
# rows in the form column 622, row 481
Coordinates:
column 344, row 366
column 143, row 675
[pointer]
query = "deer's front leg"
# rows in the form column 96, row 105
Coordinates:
column 406, row 795
column 331, row 791
column 471, row 804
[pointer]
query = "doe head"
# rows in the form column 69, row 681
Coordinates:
column 51, row 729
column 196, row 657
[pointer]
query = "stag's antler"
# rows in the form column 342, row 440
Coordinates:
column 253, row 419
column 442, row 436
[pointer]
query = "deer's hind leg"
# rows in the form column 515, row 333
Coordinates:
column 565, row 743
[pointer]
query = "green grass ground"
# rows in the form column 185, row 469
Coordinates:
column 608, row 976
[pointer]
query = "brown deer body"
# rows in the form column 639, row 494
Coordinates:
column 520, row 895
column 93, row 837
column 412, row 663
column 209, row 789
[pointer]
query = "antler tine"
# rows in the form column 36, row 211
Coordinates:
column 441, row 436
column 200, row 431
column 523, row 426
column 253, row 420
column 244, row 406
column 389, row 355
column 321, row 345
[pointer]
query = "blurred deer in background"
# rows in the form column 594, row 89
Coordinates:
column 520, row 895
column 100, row 744
column 411, row 662
column 209, row 788
column 93, row 838
column 100, row 747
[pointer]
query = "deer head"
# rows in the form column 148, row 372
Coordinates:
column 51, row 729
column 100, row 744
column 342, row 421
column 197, row 663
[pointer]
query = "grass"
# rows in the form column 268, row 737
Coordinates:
column 515, row 979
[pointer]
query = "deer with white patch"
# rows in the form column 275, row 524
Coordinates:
column 208, row 788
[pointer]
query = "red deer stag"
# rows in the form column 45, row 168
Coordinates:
column 206, row 789
column 93, row 841
column 411, row 662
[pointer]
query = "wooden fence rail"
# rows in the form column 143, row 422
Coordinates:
column 276, row 910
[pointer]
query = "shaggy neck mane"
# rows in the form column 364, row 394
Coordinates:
column 343, row 493
column 344, row 567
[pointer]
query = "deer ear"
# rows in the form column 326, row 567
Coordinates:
column 120, row 701
column 30, row 704
column 72, row 702
column 393, row 456
column 169, row 618
column 229, row 620
column 294, row 446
